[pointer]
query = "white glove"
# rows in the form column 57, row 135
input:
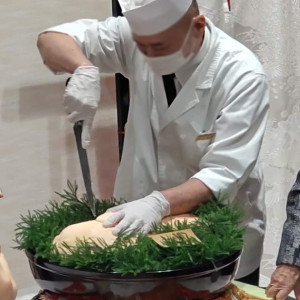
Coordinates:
column 81, row 99
column 284, row 280
column 138, row 215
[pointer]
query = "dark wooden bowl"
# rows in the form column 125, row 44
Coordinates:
column 196, row 282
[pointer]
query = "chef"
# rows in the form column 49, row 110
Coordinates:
column 198, row 138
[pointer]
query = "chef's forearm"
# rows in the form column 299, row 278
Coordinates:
column 187, row 196
column 60, row 52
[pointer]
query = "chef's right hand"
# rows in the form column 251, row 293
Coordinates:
column 284, row 280
column 139, row 215
column 81, row 99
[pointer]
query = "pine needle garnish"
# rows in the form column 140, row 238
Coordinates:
column 217, row 228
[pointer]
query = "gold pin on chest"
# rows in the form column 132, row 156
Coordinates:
column 207, row 136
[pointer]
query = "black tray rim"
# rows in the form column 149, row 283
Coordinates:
column 193, row 270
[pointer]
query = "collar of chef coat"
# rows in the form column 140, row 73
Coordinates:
column 199, row 74
column 187, row 70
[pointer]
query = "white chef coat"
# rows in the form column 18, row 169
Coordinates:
column 224, row 93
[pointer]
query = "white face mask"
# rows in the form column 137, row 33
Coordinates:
column 167, row 64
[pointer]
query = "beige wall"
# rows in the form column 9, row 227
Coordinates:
column 37, row 149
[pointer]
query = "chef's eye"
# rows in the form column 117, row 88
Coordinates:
column 160, row 48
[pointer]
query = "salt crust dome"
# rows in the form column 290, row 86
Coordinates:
column 94, row 231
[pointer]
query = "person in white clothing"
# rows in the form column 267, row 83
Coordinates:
column 179, row 150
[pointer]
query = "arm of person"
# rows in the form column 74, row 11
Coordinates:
column 84, row 48
column 8, row 289
column 286, row 276
column 187, row 196
column 61, row 53
column 231, row 157
column 239, row 131
column 143, row 213
column 87, row 42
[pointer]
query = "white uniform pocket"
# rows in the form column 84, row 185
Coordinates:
column 203, row 140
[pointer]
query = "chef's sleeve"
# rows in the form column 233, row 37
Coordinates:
column 239, row 131
column 289, row 251
column 108, row 44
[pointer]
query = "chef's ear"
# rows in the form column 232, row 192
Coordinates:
column 199, row 26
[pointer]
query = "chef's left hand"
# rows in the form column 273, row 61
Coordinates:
column 138, row 215
column 284, row 280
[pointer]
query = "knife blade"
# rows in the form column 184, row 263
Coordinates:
column 83, row 159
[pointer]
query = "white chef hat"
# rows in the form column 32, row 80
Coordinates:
column 147, row 17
